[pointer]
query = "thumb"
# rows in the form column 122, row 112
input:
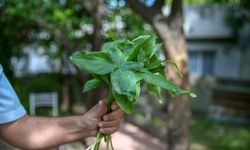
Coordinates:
column 98, row 110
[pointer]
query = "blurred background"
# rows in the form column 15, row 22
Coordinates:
column 209, row 37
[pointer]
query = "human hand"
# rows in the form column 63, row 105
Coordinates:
column 111, row 122
column 97, row 119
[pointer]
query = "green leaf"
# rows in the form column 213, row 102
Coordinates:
column 141, row 56
column 138, row 44
column 150, row 46
column 193, row 95
column 138, row 77
column 153, row 63
column 96, row 63
column 171, row 94
column 109, row 45
column 156, row 48
column 92, row 84
column 116, row 55
column 94, row 55
column 159, row 70
column 138, row 90
column 104, row 78
column 146, row 44
column 155, row 90
column 124, row 82
column 132, row 65
column 162, row 82
column 141, row 39
column 124, row 103
column 112, row 34
column 124, row 45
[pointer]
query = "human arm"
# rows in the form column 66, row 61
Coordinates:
column 44, row 132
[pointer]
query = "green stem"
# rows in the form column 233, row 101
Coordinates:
column 100, row 136
column 107, row 140
column 110, row 97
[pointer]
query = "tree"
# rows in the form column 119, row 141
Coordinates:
column 170, row 31
column 23, row 22
column 97, row 16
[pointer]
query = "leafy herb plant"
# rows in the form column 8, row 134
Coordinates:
column 122, row 65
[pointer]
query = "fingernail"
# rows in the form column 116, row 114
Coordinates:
column 99, row 124
column 100, row 102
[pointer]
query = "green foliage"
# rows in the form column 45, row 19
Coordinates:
column 126, row 65
column 67, row 24
column 215, row 136
column 44, row 23
column 132, row 24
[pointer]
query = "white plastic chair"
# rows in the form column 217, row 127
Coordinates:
column 44, row 100
column 49, row 99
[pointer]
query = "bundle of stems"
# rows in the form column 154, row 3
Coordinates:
column 122, row 65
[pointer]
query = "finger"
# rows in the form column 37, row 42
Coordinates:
column 114, row 115
column 98, row 110
column 108, row 124
column 109, row 130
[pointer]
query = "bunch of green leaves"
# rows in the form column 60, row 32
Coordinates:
column 122, row 65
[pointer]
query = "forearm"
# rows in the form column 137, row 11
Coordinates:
column 44, row 132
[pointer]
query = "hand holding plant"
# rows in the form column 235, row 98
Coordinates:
column 122, row 65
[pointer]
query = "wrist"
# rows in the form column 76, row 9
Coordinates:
column 86, row 126
column 74, row 128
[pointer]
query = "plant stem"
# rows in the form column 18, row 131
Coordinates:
column 100, row 136
column 110, row 97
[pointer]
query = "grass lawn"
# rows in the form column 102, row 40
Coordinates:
column 209, row 135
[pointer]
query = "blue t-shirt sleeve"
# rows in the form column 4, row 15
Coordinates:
column 10, row 106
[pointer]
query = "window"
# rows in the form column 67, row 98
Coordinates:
column 201, row 62
column 208, row 63
column 193, row 62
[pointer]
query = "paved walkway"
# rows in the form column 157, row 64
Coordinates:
column 131, row 137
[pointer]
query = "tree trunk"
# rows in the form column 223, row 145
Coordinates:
column 97, row 12
column 170, row 31
column 178, row 110
column 97, row 24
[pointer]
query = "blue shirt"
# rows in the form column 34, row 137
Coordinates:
column 10, row 106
